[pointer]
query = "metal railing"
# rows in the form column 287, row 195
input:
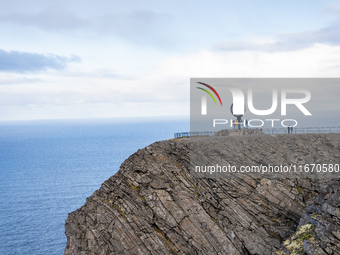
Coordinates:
column 269, row 131
column 194, row 134
column 304, row 130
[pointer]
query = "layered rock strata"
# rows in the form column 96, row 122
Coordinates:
column 153, row 205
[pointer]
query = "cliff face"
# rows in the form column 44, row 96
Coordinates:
column 153, row 206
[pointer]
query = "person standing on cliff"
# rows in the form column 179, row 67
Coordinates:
column 288, row 129
column 291, row 130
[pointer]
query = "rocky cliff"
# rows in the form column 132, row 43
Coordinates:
column 154, row 206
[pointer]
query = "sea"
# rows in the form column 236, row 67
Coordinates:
column 49, row 167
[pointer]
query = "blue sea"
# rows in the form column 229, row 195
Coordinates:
column 49, row 168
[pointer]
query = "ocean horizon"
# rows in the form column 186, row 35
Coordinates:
column 49, row 168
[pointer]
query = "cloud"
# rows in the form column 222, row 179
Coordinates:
column 56, row 20
column 163, row 89
column 329, row 35
column 20, row 62
column 20, row 80
column 141, row 26
column 332, row 9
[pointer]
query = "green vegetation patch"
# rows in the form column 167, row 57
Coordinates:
column 295, row 243
column 136, row 187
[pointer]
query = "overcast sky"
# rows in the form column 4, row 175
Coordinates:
column 92, row 59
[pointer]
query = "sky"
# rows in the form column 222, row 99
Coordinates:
column 107, row 58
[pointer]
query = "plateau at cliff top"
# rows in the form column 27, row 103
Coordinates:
column 153, row 205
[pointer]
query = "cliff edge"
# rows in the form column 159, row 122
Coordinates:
column 153, row 206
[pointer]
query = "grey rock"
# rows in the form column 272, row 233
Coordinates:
column 153, row 205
